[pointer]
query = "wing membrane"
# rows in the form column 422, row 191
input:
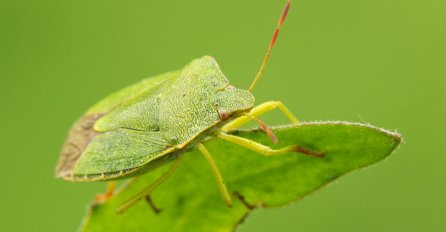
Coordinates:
column 119, row 149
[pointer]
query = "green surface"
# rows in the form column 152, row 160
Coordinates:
column 380, row 62
column 190, row 200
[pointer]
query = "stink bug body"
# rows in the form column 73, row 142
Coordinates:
column 156, row 120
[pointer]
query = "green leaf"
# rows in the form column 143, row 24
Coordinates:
column 190, row 200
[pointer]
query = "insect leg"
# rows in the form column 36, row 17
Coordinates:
column 265, row 150
column 266, row 129
column 152, row 205
column 220, row 182
column 257, row 111
column 126, row 205
column 111, row 186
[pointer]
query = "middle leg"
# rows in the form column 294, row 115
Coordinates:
column 218, row 177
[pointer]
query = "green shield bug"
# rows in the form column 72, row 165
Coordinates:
column 153, row 122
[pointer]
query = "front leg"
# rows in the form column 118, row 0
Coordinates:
column 265, row 150
column 257, row 111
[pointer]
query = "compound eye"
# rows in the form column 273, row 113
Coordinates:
column 223, row 115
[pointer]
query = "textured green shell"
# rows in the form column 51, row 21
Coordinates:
column 150, row 123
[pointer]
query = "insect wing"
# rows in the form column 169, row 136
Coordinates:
column 83, row 133
column 117, row 152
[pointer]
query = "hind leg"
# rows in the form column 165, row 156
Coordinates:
column 111, row 186
column 146, row 192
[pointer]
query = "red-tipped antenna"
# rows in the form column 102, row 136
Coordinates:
column 271, row 45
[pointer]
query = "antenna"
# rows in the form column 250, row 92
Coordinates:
column 271, row 45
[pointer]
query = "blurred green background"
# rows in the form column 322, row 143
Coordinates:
column 381, row 62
